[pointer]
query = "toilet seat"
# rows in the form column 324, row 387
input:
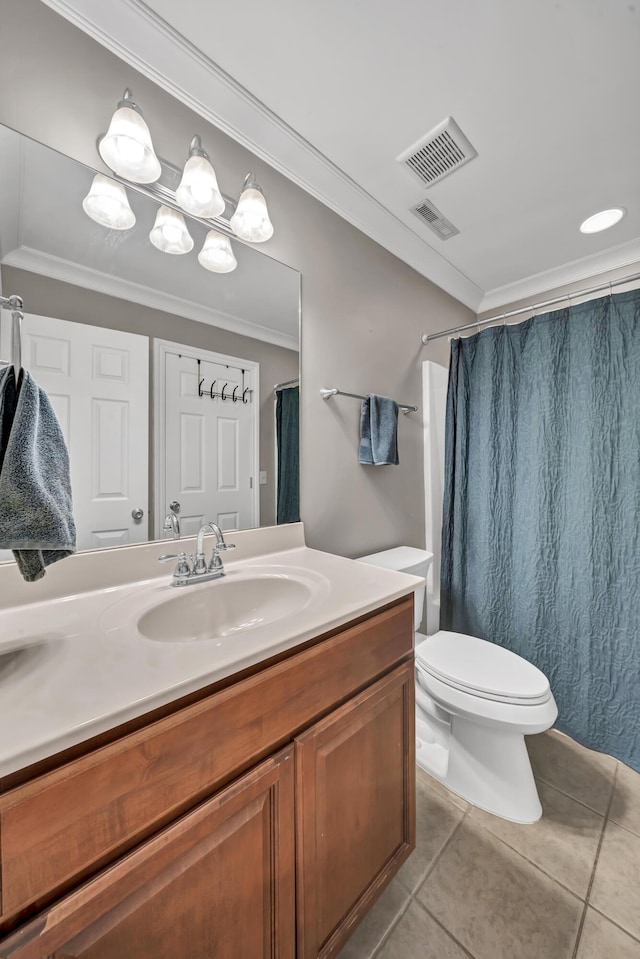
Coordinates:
column 482, row 669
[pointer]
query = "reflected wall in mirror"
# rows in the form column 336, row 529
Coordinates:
column 161, row 373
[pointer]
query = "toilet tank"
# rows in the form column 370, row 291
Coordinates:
column 405, row 559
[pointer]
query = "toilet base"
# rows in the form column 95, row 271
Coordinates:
column 487, row 766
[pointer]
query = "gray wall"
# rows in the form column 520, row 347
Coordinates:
column 362, row 309
column 46, row 297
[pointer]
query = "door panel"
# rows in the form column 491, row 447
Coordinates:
column 98, row 384
column 219, row 882
column 209, row 443
column 355, row 809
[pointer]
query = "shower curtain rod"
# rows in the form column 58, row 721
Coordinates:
column 281, row 386
column 426, row 337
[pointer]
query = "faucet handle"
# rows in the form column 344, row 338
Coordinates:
column 220, row 547
column 182, row 567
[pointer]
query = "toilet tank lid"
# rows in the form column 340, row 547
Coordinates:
column 404, row 559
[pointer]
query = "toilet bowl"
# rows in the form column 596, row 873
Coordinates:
column 475, row 703
column 490, row 698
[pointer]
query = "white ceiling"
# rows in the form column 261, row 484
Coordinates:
column 546, row 91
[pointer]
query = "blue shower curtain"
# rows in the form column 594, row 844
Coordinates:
column 541, row 523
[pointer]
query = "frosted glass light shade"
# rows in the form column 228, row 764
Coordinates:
column 251, row 219
column 217, row 254
column 198, row 191
column 127, row 148
column 107, row 204
column 170, row 233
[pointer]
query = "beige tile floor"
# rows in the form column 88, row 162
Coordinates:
column 478, row 887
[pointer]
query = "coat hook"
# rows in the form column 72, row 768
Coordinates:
column 222, row 394
column 211, row 393
column 233, row 395
column 200, row 391
column 244, row 399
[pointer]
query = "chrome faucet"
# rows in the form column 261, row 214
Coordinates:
column 172, row 525
column 215, row 563
column 186, row 574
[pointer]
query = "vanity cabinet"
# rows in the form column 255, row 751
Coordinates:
column 260, row 821
column 219, row 882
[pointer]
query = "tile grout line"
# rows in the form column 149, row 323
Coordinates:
column 595, row 865
column 387, row 935
column 579, row 801
column 444, row 929
column 412, row 895
column 616, row 924
column 535, row 865
column 439, row 854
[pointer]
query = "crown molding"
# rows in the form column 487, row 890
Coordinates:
column 133, row 32
column 26, row 258
column 584, row 270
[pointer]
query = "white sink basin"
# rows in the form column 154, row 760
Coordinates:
column 246, row 599
column 232, row 604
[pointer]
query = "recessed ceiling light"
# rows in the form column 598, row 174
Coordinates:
column 602, row 220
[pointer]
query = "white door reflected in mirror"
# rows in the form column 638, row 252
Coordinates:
column 98, row 384
column 209, row 418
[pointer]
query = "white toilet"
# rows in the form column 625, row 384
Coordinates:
column 475, row 703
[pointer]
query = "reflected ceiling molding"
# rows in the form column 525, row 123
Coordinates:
column 161, row 53
column 26, row 258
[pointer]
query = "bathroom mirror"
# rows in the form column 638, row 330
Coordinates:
column 181, row 407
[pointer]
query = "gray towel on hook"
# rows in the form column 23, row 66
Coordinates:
column 378, row 431
column 8, row 400
column 36, row 519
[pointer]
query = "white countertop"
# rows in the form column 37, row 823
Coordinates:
column 76, row 665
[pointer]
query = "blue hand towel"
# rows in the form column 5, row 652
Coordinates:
column 378, row 431
column 36, row 519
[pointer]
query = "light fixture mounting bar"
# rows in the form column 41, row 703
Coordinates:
column 162, row 191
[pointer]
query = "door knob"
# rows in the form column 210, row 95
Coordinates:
column 137, row 514
column 174, row 506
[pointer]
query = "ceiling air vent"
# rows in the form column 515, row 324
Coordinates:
column 439, row 153
column 433, row 218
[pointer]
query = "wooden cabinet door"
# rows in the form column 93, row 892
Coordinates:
column 218, row 884
column 355, row 809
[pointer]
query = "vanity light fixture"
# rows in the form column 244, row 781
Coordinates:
column 198, row 191
column 126, row 147
column 169, row 233
column 217, row 254
column 251, row 219
column 602, row 220
column 107, row 204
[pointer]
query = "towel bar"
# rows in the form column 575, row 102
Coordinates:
column 327, row 394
